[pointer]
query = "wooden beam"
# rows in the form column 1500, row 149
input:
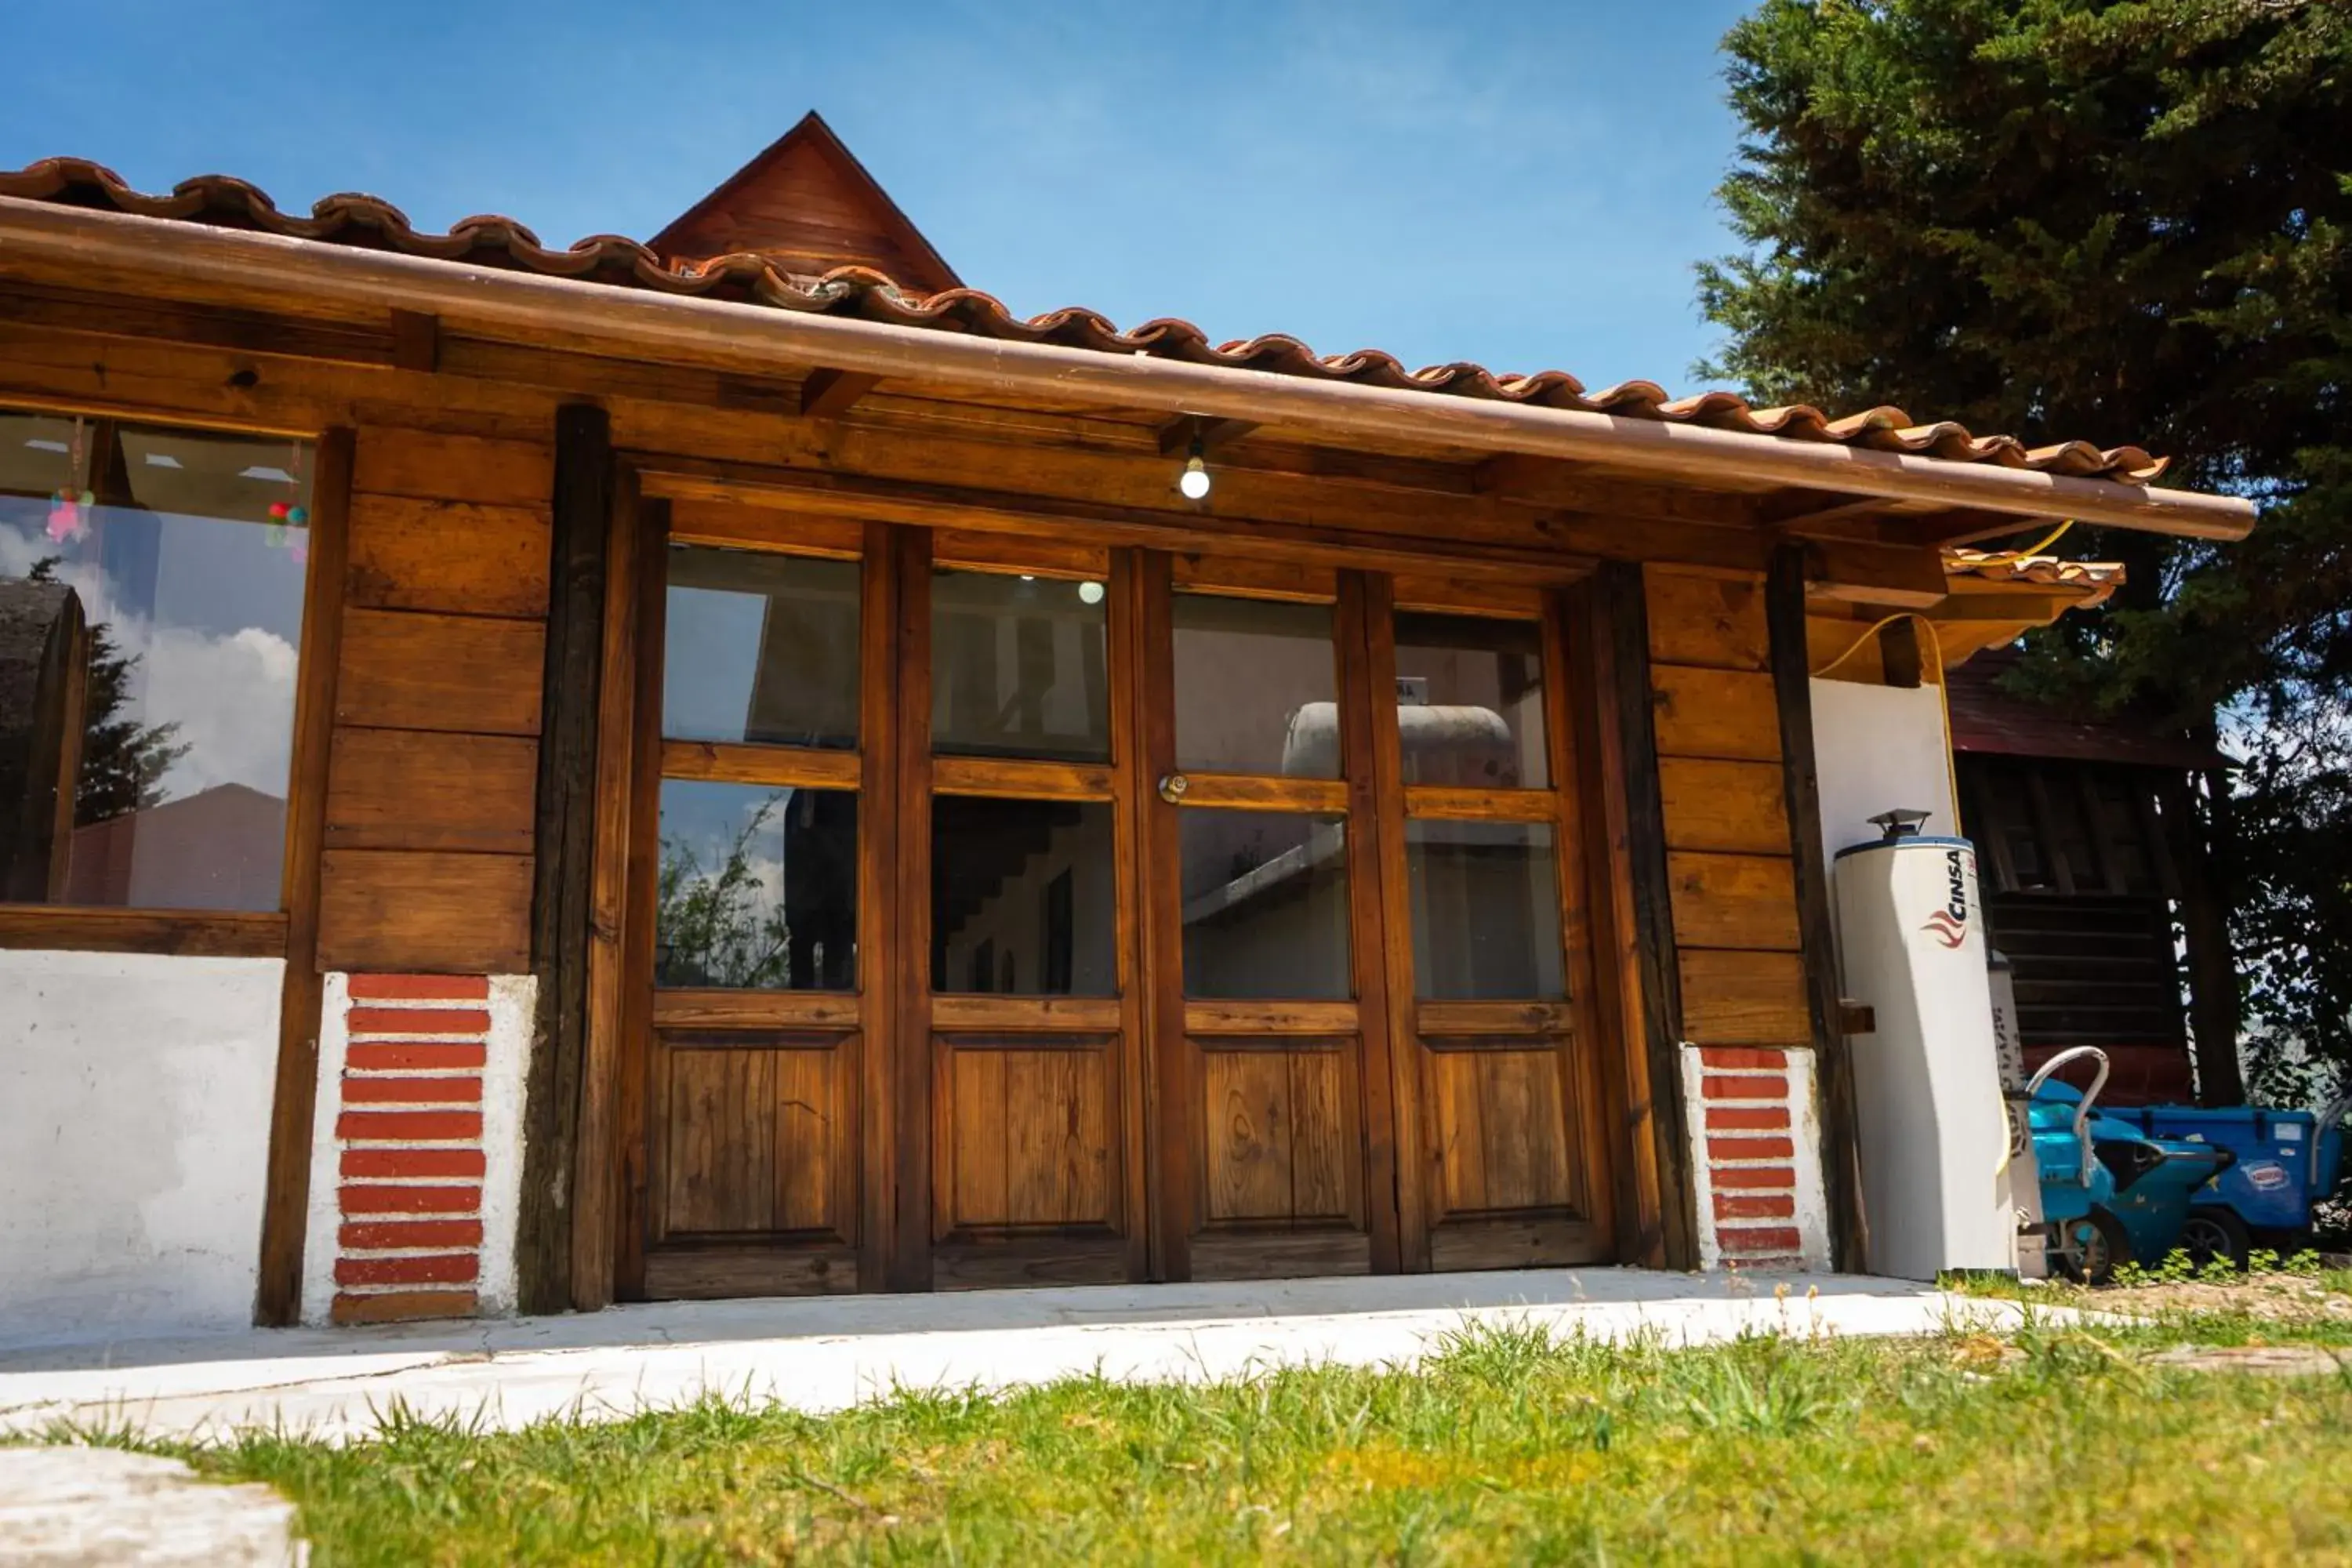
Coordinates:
column 1909, row 578
column 828, row 394
column 1784, row 609
column 1635, row 813
column 415, row 340
column 1177, row 435
column 285, row 1200
column 596, row 1168
column 1898, row 653
column 1968, row 525
column 46, row 242
column 563, row 838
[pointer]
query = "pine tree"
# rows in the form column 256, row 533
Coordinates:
column 122, row 761
column 2119, row 221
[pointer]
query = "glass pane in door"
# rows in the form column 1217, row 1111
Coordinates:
column 1470, row 701
column 1485, row 911
column 1022, row 902
column 1257, row 691
column 757, row 888
column 1264, row 906
column 1020, row 666
column 760, row 649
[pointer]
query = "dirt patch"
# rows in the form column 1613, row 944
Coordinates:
column 2277, row 1298
column 2269, row 1361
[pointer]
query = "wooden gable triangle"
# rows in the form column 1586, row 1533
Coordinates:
column 808, row 203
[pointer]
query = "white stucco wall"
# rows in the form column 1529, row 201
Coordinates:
column 1877, row 748
column 134, row 1131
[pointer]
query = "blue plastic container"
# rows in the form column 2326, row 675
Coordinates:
column 2286, row 1160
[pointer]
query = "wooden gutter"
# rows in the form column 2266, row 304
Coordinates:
column 91, row 249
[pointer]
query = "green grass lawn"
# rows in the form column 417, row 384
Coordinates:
column 2053, row 1444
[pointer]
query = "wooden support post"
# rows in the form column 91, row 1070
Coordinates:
column 1624, row 787
column 1898, row 653
column 286, row 1202
column 1784, row 605
column 563, row 842
column 598, row 1188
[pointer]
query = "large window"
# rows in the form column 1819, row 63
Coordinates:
column 151, row 614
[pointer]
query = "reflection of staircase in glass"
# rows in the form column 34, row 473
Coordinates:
column 977, row 847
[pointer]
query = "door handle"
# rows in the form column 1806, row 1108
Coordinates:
column 1172, row 787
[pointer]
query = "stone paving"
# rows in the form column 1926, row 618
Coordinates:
column 826, row 1353
column 97, row 1507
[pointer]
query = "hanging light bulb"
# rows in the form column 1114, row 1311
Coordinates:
column 1194, row 480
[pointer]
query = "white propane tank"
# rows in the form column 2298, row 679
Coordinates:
column 1927, row 1095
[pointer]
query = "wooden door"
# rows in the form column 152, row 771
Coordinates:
column 1020, row 968
column 760, row 932
column 1275, row 1122
column 1488, row 961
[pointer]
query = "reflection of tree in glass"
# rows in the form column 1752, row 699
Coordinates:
column 720, row 927
column 122, row 761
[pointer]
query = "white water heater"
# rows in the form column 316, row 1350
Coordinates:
column 1935, row 1140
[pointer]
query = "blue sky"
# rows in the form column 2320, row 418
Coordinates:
column 1524, row 186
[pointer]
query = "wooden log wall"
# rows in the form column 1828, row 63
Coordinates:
column 1726, row 823
column 435, row 755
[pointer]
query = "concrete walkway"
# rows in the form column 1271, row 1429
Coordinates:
column 826, row 1353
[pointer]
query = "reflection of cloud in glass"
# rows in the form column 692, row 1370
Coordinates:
column 228, row 687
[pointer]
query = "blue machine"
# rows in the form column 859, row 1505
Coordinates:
column 2109, row 1190
column 2283, row 1162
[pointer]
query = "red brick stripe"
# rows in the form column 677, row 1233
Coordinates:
column 369, row 1056
column 412, row 1163
column 404, row 1126
column 419, row 1021
column 404, row 1306
column 412, row 1090
column 1749, row 1241
column 1740, row 1205
column 420, row 988
column 1741, row 1058
column 1757, row 1086
column 1751, row 1149
column 1745, row 1118
column 1781, row 1176
column 361, row 1234
column 451, row 1268
column 364, row 1199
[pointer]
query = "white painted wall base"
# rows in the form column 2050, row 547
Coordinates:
column 135, row 1094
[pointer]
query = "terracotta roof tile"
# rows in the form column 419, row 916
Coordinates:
column 370, row 223
column 2101, row 577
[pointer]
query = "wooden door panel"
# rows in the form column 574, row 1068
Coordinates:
column 1279, row 1135
column 1031, row 1140
column 1501, row 1130
column 754, row 1166
column 1028, row 1171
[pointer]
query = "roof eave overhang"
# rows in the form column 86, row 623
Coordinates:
column 45, row 242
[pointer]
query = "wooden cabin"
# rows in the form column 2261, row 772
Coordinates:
column 738, row 766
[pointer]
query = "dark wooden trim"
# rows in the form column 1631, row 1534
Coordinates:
column 878, row 935
column 1618, row 608
column 596, row 1176
column 1133, row 788
column 187, row 933
column 1792, row 661
column 637, row 1092
column 909, row 979
column 285, row 1204
column 563, row 842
